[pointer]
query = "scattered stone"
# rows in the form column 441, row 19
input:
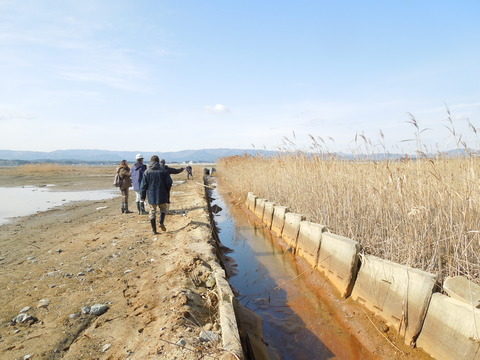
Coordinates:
column 101, row 207
column 2, row 258
column 59, row 251
column 181, row 342
column 52, row 273
column 106, row 347
column 68, row 275
column 210, row 283
column 90, row 269
column 27, row 357
column 81, row 274
column 31, row 258
column 206, row 336
column 16, row 331
column 74, row 315
column 43, row 303
column 127, row 271
column 208, row 327
column 86, row 310
column 25, row 309
column 98, row 309
column 24, row 318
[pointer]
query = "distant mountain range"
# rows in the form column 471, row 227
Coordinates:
column 11, row 157
column 98, row 156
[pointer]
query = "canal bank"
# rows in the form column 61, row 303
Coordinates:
column 302, row 314
column 156, row 292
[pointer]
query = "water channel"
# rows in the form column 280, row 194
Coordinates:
column 283, row 290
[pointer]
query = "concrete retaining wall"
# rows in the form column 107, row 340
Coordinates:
column 278, row 219
column 291, row 227
column 338, row 260
column 268, row 213
column 451, row 329
column 397, row 293
column 462, row 289
column 259, row 207
column 250, row 202
column 308, row 243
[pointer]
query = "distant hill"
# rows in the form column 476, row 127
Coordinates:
column 95, row 156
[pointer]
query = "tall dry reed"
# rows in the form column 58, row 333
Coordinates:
column 424, row 213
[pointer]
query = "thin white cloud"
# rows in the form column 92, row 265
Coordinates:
column 217, row 109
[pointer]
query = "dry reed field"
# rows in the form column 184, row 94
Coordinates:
column 422, row 213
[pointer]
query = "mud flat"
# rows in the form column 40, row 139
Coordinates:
column 83, row 281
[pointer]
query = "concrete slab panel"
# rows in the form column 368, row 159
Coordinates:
column 397, row 293
column 268, row 214
column 309, row 239
column 451, row 330
column 291, row 227
column 278, row 219
column 338, row 260
column 259, row 207
column 250, row 201
column 460, row 288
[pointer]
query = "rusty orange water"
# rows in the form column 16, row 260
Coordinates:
column 283, row 290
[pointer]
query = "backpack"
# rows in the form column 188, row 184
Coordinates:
column 117, row 182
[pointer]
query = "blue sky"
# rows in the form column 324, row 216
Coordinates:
column 172, row 75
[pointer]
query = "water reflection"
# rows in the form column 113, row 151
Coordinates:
column 283, row 290
column 22, row 201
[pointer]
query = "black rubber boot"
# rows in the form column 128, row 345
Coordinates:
column 138, row 207
column 123, row 208
column 162, row 220
column 154, row 225
column 126, row 209
column 142, row 208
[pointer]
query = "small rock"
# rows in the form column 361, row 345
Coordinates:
column 81, row 274
column 24, row 318
column 98, row 309
column 208, row 327
column 127, row 271
column 206, row 336
column 90, row 269
column 27, row 357
column 181, row 342
column 2, row 258
column 16, row 331
column 86, row 310
column 25, row 309
column 43, row 303
column 59, row 251
column 210, row 283
column 106, row 347
column 51, row 273
column 73, row 316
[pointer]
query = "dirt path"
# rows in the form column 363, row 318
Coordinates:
column 56, row 264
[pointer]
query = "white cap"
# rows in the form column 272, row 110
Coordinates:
column 139, row 156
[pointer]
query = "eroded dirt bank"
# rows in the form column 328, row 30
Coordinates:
column 56, row 264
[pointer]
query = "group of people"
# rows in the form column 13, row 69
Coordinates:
column 153, row 183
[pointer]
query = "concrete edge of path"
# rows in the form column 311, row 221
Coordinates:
column 228, row 321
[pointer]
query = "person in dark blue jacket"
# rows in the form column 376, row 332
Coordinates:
column 156, row 185
column 137, row 175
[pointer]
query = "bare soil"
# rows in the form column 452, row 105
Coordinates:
column 58, row 262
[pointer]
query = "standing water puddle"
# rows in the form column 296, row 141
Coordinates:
column 22, row 201
column 297, row 324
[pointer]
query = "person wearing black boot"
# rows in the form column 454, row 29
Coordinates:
column 123, row 171
column 156, row 185
column 138, row 170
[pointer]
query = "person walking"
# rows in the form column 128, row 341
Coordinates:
column 156, row 185
column 123, row 171
column 189, row 172
column 137, row 175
